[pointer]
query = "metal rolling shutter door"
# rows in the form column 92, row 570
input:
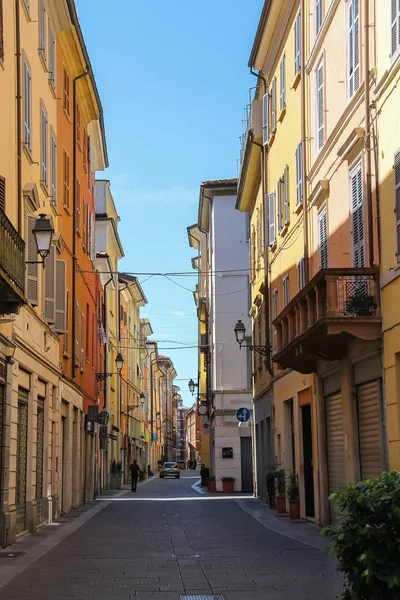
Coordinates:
column 246, row 464
column 335, row 442
column 369, row 429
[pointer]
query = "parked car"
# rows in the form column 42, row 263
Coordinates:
column 170, row 469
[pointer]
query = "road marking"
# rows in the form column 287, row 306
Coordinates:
column 177, row 499
column 197, row 487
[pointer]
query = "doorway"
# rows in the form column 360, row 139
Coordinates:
column 308, row 461
column 246, row 454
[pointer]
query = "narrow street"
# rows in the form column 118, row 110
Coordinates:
column 168, row 540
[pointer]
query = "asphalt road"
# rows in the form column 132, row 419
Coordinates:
column 166, row 541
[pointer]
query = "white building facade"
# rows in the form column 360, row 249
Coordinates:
column 224, row 287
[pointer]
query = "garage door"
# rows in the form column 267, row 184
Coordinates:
column 369, row 429
column 247, row 464
column 335, row 445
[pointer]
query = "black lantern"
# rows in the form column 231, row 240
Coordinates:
column 240, row 332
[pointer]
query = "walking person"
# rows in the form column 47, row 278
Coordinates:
column 134, row 468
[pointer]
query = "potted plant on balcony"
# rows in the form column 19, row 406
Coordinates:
column 228, row 484
column 281, row 492
column 292, row 486
column 204, row 474
column 361, row 304
column 212, row 484
column 115, row 475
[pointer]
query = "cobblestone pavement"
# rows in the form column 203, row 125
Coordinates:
column 166, row 541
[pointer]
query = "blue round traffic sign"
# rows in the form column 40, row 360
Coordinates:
column 243, row 415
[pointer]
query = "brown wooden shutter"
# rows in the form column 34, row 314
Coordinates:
column 61, row 298
column 32, row 286
column 2, row 188
column 50, row 286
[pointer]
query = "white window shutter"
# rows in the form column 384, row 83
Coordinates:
column 299, row 174
column 318, row 16
column 323, row 239
column 301, row 273
column 353, row 16
column 320, row 105
column 286, row 195
column 286, row 292
column 32, row 283
column 252, row 252
column 280, row 216
column 266, row 125
column 297, row 37
column 61, row 297
column 273, row 105
column 397, row 192
column 271, row 219
column 282, row 103
column 357, row 217
column 395, row 29
column 50, row 286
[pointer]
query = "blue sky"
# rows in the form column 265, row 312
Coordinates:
column 173, row 80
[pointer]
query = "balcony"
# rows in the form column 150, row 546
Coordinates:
column 335, row 305
column 250, row 152
column 12, row 267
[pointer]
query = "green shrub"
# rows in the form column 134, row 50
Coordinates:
column 211, row 478
column 280, row 482
column 114, row 466
column 292, row 485
column 366, row 542
column 228, row 479
column 204, row 472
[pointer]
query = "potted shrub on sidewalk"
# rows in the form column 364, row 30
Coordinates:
column 366, row 541
column 228, row 485
column 212, row 484
column 204, row 473
column 281, row 492
column 115, row 475
column 292, row 486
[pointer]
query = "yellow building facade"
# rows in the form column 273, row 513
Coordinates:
column 307, row 181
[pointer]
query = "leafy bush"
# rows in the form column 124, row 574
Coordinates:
column 292, row 485
column 280, row 482
column 211, row 478
column 367, row 541
column 114, row 466
column 228, row 479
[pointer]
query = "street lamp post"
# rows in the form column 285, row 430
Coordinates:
column 119, row 362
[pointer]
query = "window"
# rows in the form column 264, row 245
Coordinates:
column 266, row 121
column 65, row 179
column 1, row 33
column 66, row 92
column 357, row 216
column 279, row 187
column 353, row 46
column 27, row 106
column 53, row 169
column 282, row 92
column 302, row 273
column 323, row 239
column 319, row 86
column 275, row 303
column 50, row 286
column 286, row 213
column 299, row 174
column 84, row 150
column 297, row 38
column 84, row 223
column 397, row 207
column 52, row 58
column 273, row 105
column 87, row 341
column 253, row 252
column 2, row 194
column 318, row 16
column 66, row 335
column 32, row 280
column 78, row 124
column 43, row 148
column 286, row 293
column 395, row 26
column 42, row 29
column 271, row 219
column 78, row 207
column 82, row 356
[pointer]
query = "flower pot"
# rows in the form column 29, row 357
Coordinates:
column 204, row 481
column 115, row 481
column 281, row 504
column 212, row 485
column 294, row 509
column 228, row 487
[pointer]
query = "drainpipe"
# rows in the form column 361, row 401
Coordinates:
column 304, row 137
column 259, row 75
column 367, row 143
column 19, row 113
column 74, row 205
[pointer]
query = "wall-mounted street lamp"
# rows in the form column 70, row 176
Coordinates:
column 192, row 386
column 119, row 362
column 43, row 234
column 240, row 333
column 142, row 399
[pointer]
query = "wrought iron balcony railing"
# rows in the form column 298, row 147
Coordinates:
column 336, row 303
column 12, row 267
